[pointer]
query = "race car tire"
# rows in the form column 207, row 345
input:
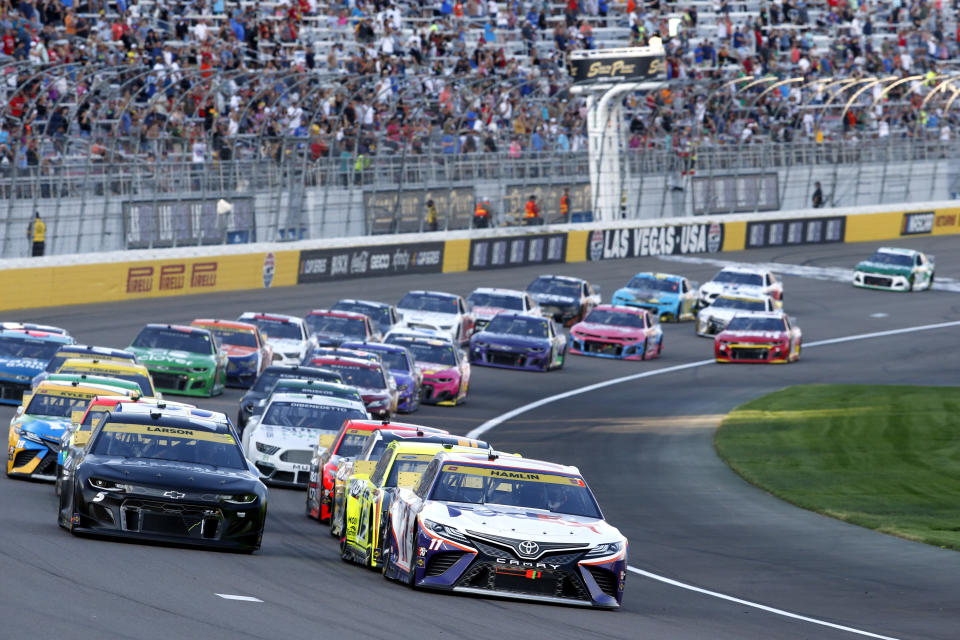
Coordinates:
column 562, row 359
column 910, row 284
column 646, row 351
column 799, row 348
column 930, row 282
column 660, row 347
column 344, row 553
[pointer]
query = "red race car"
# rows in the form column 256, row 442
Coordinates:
column 348, row 442
column 759, row 337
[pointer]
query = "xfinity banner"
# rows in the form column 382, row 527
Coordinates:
column 630, row 64
column 678, row 239
column 319, row 265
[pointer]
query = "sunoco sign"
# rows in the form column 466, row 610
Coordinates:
column 680, row 239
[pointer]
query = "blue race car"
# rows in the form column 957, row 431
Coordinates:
column 517, row 341
column 24, row 354
column 399, row 360
column 670, row 297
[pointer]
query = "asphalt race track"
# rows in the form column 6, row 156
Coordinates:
column 645, row 446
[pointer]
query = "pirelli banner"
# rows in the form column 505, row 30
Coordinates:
column 610, row 66
column 321, row 265
column 637, row 242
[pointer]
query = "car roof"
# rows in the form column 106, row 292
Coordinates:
column 436, row 294
column 227, row 324
column 435, row 341
column 756, row 298
column 32, row 334
column 93, row 379
column 318, row 401
column 297, row 367
column 431, row 445
column 185, row 328
column 167, row 418
column 898, row 251
column 481, row 458
column 563, row 278
column 346, row 361
column 374, row 346
column 33, row 326
column 503, row 292
column 93, row 351
column 524, row 316
column 93, row 364
column 337, row 313
column 93, row 389
column 621, row 308
column 311, row 382
column 136, row 408
column 276, row 317
column 779, row 313
column 368, row 303
column 658, row 275
column 388, row 425
column 739, row 268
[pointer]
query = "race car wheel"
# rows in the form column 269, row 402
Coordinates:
column 344, row 550
column 646, row 350
column 930, row 281
column 562, row 358
column 910, row 284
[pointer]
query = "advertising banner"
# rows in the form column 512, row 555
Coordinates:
column 917, row 223
column 677, row 239
column 635, row 64
column 320, row 265
column 778, row 233
column 516, row 251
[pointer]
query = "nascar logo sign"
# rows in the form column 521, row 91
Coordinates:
column 679, row 239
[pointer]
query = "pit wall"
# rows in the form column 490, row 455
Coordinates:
column 133, row 275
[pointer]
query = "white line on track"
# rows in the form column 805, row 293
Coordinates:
column 509, row 415
column 229, row 596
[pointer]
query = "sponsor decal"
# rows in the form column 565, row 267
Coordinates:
column 656, row 241
column 203, row 274
column 139, row 279
column 632, row 64
column 945, row 220
column 319, row 265
column 917, row 223
column 596, row 246
column 778, row 233
column 495, row 253
column 269, row 269
column 168, row 432
column 176, row 495
column 524, row 563
column 172, row 277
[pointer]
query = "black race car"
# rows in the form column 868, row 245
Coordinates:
column 250, row 402
column 161, row 476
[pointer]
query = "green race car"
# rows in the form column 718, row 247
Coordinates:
column 181, row 359
column 895, row 270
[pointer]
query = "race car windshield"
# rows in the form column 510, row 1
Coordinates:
column 428, row 302
column 515, row 488
column 334, row 325
column 352, row 444
column 738, row 277
column 553, row 287
column 518, row 326
column 496, row 300
column 360, row 376
column 395, row 360
column 432, row 353
column 408, row 463
column 615, row 318
column 895, row 259
column 740, row 303
column 744, row 323
column 188, row 444
column 649, row 283
column 268, row 378
column 236, row 338
column 11, row 347
column 279, row 329
column 174, row 340
column 380, row 315
column 44, row 404
column 309, row 416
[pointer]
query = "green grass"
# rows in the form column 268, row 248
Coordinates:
column 883, row 457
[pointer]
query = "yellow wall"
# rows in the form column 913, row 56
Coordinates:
column 577, row 245
column 734, row 236
column 870, row 227
column 456, row 255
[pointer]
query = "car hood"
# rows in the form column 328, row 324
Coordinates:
column 719, row 287
column 185, row 476
column 645, row 295
column 516, row 522
column 510, row 339
column 45, row 426
column 607, row 330
column 554, row 300
column 238, row 351
column 170, row 357
column 26, row 367
column 885, row 269
column 369, row 393
column 285, row 345
column 752, row 336
column 287, row 437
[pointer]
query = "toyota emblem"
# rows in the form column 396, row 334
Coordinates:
column 176, row 495
column 528, row 548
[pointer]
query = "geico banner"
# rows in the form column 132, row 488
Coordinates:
column 678, row 239
column 319, row 265
column 495, row 253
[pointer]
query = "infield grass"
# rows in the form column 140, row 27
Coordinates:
column 883, row 457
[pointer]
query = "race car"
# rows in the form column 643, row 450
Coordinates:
column 437, row 311
column 487, row 302
column 516, row 341
column 444, row 369
column 343, row 352
column 671, row 298
column 40, row 422
column 280, row 442
column 567, row 300
column 33, row 326
column 347, row 443
column 23, row 355
column 248, row 353
column 119, row 369
column 77, row 351
column 400, row 362
column 759, row 337
column 307, row 387
column 741, row 280
column 250, row 402
column 505, row 526
column 372, row 380
column 329, row 328
column 182, row 360
column 161, row 475
column 287, row 335
column 713, row 319
column 385, row 316
column 893, row 269
column 369, row 494
column 611, row 331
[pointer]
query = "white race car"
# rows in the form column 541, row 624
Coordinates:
column 714, row 319
column 288, row 335
column 741, row 280
column 437, row 311
column 281, row 440
column 486, row 302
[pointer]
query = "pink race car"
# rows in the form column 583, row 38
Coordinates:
column 446, row 373
column 759, row 337
column 613, row 331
